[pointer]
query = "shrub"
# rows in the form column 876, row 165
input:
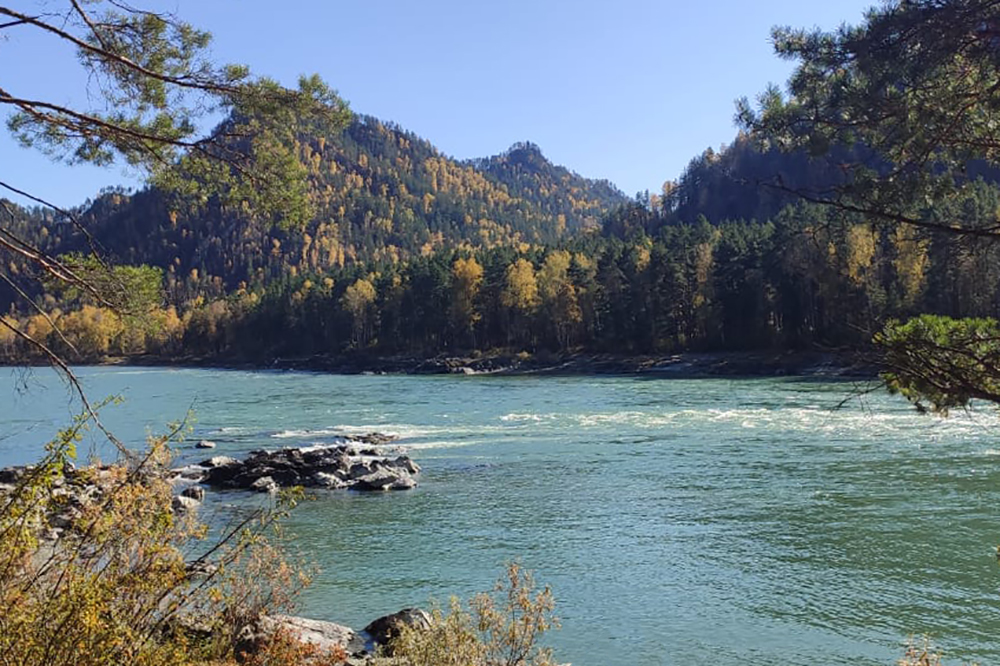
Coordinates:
column 93, row 569
column 501, row 628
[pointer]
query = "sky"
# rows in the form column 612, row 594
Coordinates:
column 627, row 90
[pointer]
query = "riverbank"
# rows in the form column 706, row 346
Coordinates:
column 681, row 366
column 67, row 505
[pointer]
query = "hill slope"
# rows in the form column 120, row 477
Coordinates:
column 381, row 194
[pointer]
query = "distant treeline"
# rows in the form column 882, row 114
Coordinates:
column 811, row 277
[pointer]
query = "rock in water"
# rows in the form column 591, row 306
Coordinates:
column 182, row 504
column 404, row 462
column 220, row 461
column 358, row 470
column 374, row 438
column 205, row 444
column 331, row 481
column 194, row 492
column 385, row 629
column 385, row 479
column 264, row 484
column 331, row 467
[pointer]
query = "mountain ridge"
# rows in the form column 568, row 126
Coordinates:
column 380, row 193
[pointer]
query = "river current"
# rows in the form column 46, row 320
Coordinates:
column 711, row 521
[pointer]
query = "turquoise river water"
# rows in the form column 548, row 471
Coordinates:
column 713, row 521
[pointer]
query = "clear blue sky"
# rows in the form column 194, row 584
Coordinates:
column 628, row 90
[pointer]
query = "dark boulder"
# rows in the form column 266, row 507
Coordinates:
column 387, row 628
column 183, row 504
column 194, row 492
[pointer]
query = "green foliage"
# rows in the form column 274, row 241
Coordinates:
column 130, row 290
column 365, row 194
column 139, row 61
column 907, row 99
column 813, row 276
column 252, row 165
column 151, row 88
column 911, row 92
column 717, row 263
column 946, row 362
column 152, row 85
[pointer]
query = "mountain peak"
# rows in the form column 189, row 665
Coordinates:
column 525, row 153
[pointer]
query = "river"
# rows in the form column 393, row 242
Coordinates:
column 712, row 521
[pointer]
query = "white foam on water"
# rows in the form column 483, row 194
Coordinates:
column 291, row 434
column 407, row 431
column 315, row 447
column 864, row 424
column 615, row 418
column 306, row 433
column 450, row 444
column 404, row 432
column 233, row 430
column 521, row 418
column 397, row 429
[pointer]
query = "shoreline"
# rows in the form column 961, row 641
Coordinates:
column 688, row 365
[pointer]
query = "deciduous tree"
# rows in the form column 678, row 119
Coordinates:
column 359, row 301
column 466, row 278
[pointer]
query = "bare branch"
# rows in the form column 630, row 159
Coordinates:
column 11, row 24
column 882, row 214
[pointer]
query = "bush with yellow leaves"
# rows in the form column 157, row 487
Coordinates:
column 114, row 587
column 501, row 628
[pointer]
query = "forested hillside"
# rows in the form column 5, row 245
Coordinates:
column 413, row 253
column 378, row 194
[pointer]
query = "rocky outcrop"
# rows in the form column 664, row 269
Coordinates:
column 70, row 496
column 194, row 492
column 330, row 467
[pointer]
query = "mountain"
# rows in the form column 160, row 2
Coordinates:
column 381, row 194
